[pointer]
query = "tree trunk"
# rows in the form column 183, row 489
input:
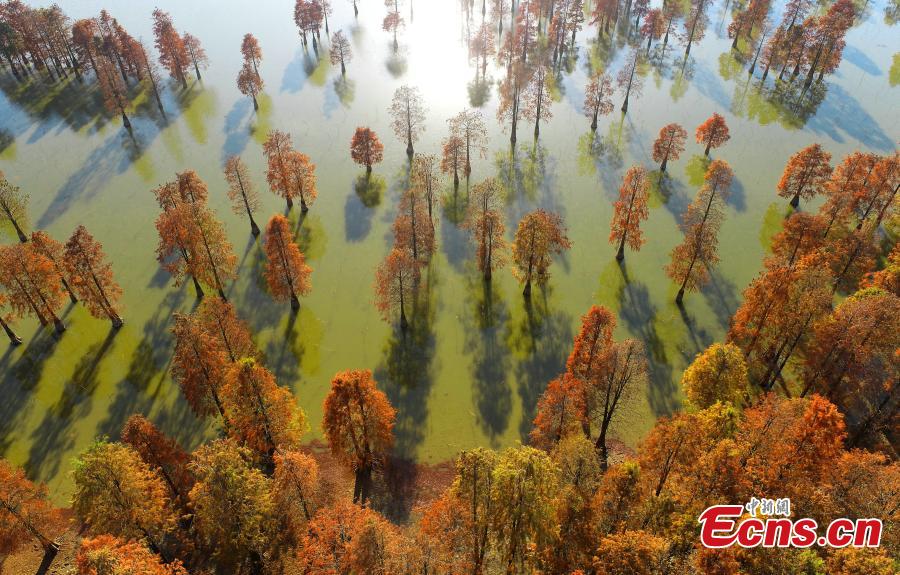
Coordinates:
column 621, row 253
column 13, row 338
column 197, row 288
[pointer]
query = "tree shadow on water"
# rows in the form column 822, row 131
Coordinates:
column 638, row 314
column 484, row 328
column 20, row 379
column 55, row 435
column 359, row 206
column 148, row 367
column 541, row 339
column 406, row 371
column 406, row 375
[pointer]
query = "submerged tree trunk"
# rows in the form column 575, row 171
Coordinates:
column 13, row 338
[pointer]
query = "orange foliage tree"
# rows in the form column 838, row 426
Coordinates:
column 805, row 174
column 290, row 173
column 452, row 148
column 609, row 372
column 262, row 415
column 107, row 554
column 713, row 132
column 850, row 254
column 219, row 319
column 597, row 101
column 877, row 198
column 358, row 422
column 162, row 453
column 540, row 235
column 366, row 149
column 395, row 282
column 241, row 191
column 777, row 314
column 852, row 349
column 173, row 54
column 484, row 220
column 630, row 210
column 54, row 251
column 413, row 228
column 560, row 411
column 346, row 538
column 25, row 512
column 198, row 366
column 669, row 144
column 692, row 259
column 801, row 235
column 632, row 552
column 196, row 52
column 92, row 276
column 286, row 271
column 13, row 206
column 425, row 178
column 249, row 83
column 214, row 259
column 117, row 493
column 191, row 239
column 6, row 319
column 251, row 52
column 32, row 284
column 294, row 485
column 113, row 89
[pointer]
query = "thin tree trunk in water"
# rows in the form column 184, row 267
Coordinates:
column 13, row 338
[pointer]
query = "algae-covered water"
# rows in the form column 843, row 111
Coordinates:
column 471, row 372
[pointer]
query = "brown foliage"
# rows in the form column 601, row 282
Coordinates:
column 805, row 174
column 108, row 555
column 713, row 132
column 358, row 422
column 161, row 453
column 31, row 283
column 692, row 259
column 91, row 276
column 287, row 273
column 241, row 191
column 262, row 415
column 395, row 282
column 365, row 148
column 540, row 236
column 25, row 512
column 630, row 210
column 597, row 101
column 173, row 54
column 669, row 144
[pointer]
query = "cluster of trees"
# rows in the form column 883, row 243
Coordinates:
column 35, row 40
column 192, row 241
column 39, row 272
column 252, row 500
column 309, row 16
column 249, row 82
column 803, row 42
